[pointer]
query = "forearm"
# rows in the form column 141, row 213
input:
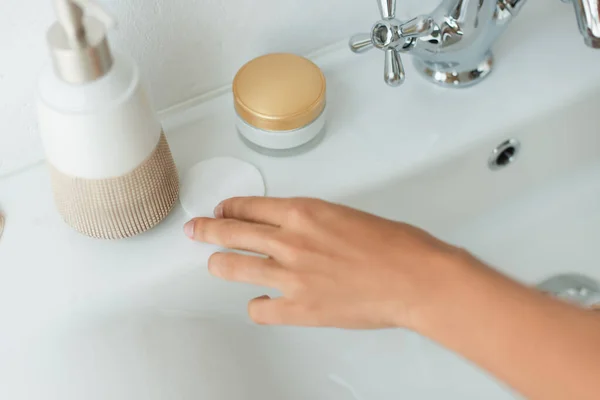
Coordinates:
column 339, row 267
column 542, row 347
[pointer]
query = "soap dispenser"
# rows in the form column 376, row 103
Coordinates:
column 111, row 169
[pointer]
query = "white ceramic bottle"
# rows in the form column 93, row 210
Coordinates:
column 112, row 171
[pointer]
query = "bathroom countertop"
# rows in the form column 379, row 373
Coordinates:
column 48, row 273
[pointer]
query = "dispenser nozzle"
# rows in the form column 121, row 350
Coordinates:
column 70, row 15
column 97, row 11
column 79, row 46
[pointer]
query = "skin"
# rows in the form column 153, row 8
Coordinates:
column 339, row 267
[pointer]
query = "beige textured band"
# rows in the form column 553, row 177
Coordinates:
column 119, row 207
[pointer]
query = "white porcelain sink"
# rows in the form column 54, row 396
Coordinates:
column 190, row 339
column 142, row 319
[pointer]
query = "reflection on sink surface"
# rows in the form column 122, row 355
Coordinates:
column 178, row 356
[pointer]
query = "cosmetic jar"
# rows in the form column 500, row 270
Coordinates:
column 280, row 104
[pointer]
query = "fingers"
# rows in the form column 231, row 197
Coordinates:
column 266, row 311
column 280, row 311
column 235, row 234
column 264, row 210
column 248, row 269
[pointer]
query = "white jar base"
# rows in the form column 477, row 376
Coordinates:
column 295, row 151
column 282, row 143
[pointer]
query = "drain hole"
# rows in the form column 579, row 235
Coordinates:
column 504, row 155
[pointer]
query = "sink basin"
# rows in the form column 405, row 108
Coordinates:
column 190, row 338
column 142, row 318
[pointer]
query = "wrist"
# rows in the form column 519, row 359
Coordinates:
column 451, row 280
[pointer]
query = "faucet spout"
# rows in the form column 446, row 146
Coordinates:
column 452, row 45
column 588, row 19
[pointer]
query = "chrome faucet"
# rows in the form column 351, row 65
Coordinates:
column 452, row 45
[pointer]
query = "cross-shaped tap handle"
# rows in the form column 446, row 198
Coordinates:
column 389, row 35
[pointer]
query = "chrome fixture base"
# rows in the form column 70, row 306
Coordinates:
column 592, row 42
column 574, row 288
column 455, row 78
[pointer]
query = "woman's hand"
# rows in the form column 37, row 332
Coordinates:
column 339, row 267
column 335, row 266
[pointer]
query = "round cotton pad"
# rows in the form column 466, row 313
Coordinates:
column 209, row 182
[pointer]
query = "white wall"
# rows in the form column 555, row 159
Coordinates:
column 185, row 48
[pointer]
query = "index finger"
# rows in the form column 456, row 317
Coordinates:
column 263, row 210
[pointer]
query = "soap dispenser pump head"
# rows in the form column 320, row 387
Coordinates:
column 78, row 41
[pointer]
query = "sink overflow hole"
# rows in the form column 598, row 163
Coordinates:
column 504, row 155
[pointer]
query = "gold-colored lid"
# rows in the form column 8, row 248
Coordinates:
column 279, row 92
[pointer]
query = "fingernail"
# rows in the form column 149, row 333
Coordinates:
column 188, row 229
column 219, row 211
